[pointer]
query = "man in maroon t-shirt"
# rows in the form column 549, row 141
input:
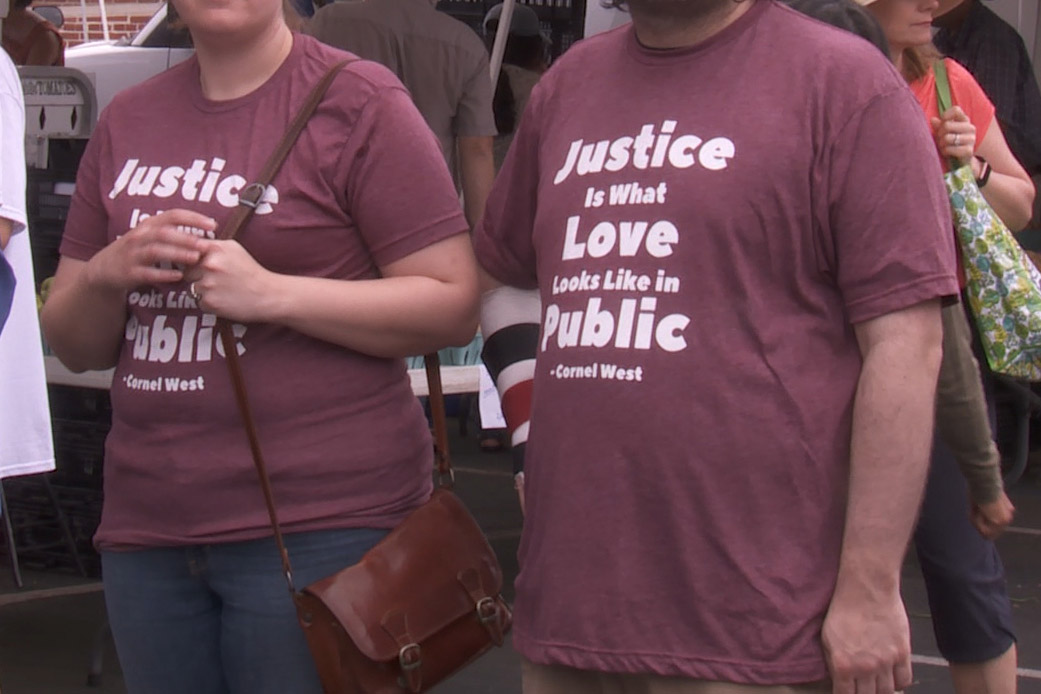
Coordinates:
column 740, row 240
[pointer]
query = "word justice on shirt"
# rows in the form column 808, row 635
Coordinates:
column 200, row 181
column 651, row 148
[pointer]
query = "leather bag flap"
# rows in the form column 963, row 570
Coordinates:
column 416, row 577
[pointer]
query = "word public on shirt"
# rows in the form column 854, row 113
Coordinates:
column 635, row 326
column 184, row 338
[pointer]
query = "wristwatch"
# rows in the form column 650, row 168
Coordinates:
column 981, row 180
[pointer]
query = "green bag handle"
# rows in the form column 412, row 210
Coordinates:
column 944, row 100
column 943, row 85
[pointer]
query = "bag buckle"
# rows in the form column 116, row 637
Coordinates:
column 410, row 657
column 488, row 615
column 251, row 195
column 487, row 610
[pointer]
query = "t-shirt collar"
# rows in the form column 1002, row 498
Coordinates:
column 203, row 104
column 659, row 56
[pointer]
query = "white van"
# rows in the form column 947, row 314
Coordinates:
column 115, row 65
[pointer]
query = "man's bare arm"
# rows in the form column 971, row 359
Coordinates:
column 477, row 170
column 866, row 635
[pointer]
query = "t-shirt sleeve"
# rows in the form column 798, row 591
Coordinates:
column 890, row 244
column 967, row 93
column 474, row 117
column 503, row 240
column 86, row 229
column 399, row 191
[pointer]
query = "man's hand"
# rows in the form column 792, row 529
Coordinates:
column 992, row 519
column 867, row 644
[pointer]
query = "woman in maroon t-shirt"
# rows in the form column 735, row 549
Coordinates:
column 358, row 255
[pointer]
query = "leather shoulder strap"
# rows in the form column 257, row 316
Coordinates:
column 446, row 478
column 249, row 198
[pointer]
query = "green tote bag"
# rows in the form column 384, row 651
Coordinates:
column 1002, row 285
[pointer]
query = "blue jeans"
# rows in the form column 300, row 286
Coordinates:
column 218, row 619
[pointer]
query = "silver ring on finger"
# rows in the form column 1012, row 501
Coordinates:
column 957, row 139
column 195, row 294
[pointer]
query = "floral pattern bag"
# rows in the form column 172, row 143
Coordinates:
column 1002, row 285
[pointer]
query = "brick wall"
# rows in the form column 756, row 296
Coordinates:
column 124, row 18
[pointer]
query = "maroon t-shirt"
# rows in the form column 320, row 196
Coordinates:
column 345, row 441
column 705, row 227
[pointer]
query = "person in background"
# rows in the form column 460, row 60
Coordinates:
column 303, row 8
column 358, row 256
column 993, row 52
column 25, row 424
column 685, row 203
column 962, row 421
column 968, row 596
column 846, row 15
column 443, row 64
column 30, row 39
column 525, row 58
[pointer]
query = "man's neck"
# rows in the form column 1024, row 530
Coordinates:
column 661, row 31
